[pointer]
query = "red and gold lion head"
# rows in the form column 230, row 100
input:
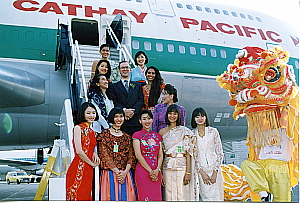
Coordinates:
column 262, row 86
column 258, row 80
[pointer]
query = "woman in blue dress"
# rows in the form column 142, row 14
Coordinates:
column 138, row 73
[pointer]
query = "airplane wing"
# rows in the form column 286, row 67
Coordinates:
column 24, row 165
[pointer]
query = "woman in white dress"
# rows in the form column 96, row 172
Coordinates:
column 210, row 156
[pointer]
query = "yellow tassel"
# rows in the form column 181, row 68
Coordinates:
column 263, row 128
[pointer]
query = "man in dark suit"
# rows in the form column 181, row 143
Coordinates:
column 128, row 95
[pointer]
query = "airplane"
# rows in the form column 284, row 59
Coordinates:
column 22, row 160
column 190, row 42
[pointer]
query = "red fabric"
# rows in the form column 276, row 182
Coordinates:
column 80, row 174
column 146, row 96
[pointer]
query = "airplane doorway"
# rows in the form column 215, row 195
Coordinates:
column 85, row 31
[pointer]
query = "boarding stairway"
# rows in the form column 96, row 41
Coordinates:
column 89, row 54
column 76, row 60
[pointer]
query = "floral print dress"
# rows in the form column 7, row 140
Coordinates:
column 80, row 174
column 147, row 189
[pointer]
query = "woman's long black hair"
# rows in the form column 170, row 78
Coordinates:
column 107, row 75
column 155, row 90
column 95, row 88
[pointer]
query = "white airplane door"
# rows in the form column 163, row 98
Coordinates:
column 126, row 29
column 160, row 7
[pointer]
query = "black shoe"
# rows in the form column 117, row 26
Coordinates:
column 268, row 198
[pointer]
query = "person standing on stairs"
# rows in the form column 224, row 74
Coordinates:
column 105, row 53
column 128, row 95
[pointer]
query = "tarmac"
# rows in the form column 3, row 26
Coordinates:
column 19, row 192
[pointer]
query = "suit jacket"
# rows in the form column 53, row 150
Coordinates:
column 133, row 99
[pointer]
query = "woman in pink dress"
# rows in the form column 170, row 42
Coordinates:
column 148, row 151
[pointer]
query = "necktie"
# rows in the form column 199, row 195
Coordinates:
column 126, row 85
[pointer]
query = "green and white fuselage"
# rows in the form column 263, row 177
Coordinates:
column 191, row 42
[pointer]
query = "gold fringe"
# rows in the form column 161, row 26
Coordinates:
column 264, row 128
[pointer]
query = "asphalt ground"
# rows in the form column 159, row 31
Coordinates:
column 19, row 192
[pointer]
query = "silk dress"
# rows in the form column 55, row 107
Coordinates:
column 80, row 174
column 147, row 189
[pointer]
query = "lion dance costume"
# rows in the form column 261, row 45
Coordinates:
column 262, row 87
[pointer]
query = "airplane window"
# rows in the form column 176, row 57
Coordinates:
column 250, row 17
column 179, row 5
column 198, row 8
column 207, row 9
column 234, row 14
column 147, row 46
column 217, row 11
column 203, row 51
column 223, row 53
column 225, row 12
column 213, row 52
column 138, row 0
column 170, row 48
column 258, row 19
column 242, row 15
column 181, row 49
column 193, row 50
column 159, row 47
column 189, row 7
column 135, row 44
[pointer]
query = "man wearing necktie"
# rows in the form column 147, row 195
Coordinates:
column 128, row 95
column 126, row 85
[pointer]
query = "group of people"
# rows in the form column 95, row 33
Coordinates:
column 141, row 143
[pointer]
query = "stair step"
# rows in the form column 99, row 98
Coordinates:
column 89, row 47
column 88, row 55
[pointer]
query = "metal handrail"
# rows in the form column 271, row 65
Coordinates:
column 75, row 59
column 123, row 49
column 72, row 54
column 83, row 85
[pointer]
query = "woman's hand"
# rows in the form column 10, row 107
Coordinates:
column 129, row 113
column 205, row 178
column 213, row 177
column 93, row 164
column 121, row 176
column 154, row 174
column 163, row 182
column 186, row 178
column 96, row 159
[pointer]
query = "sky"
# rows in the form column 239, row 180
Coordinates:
column 287, row 10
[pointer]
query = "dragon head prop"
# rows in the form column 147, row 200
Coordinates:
column 261, row 85
column 258, row 80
